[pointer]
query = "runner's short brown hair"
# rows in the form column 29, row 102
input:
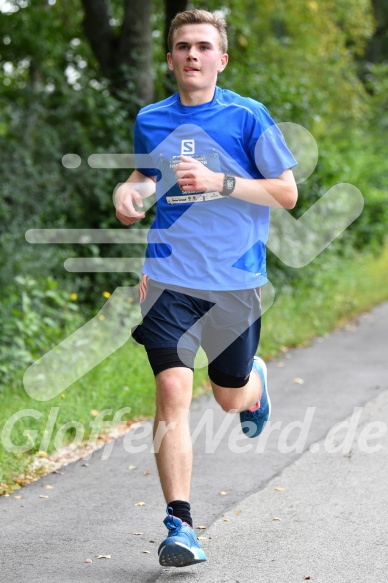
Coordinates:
column 199, row 17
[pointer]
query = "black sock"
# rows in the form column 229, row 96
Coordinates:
column 181, row 509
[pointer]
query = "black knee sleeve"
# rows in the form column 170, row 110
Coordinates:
column 163, row 358
column 226, row 380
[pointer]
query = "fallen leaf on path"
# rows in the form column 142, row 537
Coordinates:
column 137, row 533
column 226, row 519
column 280, row 489
column 42, row 496
column 131, row 467
column 298, row 381
column 276, row 518
column 202, row 537
column 140, row 503
column 48, row 487
column 238, row 512
column 147, row 473
column 42, row 454
column 201, row 527
column 104, row 557
column 88, row 561
column 223, row 493
column 147, row 552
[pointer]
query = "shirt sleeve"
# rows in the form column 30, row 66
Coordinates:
column 268, row 146
column 144, row 162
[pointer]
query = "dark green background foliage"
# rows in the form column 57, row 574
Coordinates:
column 73, row 74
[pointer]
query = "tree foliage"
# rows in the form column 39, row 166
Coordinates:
column 299, row 58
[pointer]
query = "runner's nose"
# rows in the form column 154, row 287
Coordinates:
column 192, row 54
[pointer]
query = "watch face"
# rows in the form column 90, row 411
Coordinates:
column 229, row 183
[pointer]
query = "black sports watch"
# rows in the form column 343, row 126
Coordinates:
column 229, row 185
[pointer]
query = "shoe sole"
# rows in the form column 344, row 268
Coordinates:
column 268, row 397
column 256, row 434
column 257, row 358
column 179, row 555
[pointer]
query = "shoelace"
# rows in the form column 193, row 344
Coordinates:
column 170, row 523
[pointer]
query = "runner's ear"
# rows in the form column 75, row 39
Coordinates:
column 223, row 62
column 169, row 62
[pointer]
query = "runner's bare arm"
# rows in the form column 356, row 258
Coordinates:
column 275, row 192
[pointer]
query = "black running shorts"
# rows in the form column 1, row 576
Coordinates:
column 177, row 321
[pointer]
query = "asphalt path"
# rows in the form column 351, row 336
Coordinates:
column 303, row 500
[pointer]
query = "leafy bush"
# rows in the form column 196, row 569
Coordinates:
column 34, row 315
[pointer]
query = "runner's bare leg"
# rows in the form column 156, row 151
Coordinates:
column 172, row 440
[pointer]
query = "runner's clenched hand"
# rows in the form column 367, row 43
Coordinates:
column 126, row 196
column 191, row 174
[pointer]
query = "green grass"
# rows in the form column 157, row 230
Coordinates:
column 329, row 293
column 338, row 289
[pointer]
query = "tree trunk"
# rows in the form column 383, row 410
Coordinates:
column 125, row 59
column 135, row 50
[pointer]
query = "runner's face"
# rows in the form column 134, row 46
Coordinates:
column 196, row 58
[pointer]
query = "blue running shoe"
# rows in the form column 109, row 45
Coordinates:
column 253, row 420
column 181, row 547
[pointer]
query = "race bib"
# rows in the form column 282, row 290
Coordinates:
column 167, row 166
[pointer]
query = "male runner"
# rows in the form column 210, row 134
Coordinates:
column 217, row 162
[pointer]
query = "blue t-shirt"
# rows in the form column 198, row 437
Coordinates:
column 205, row 241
